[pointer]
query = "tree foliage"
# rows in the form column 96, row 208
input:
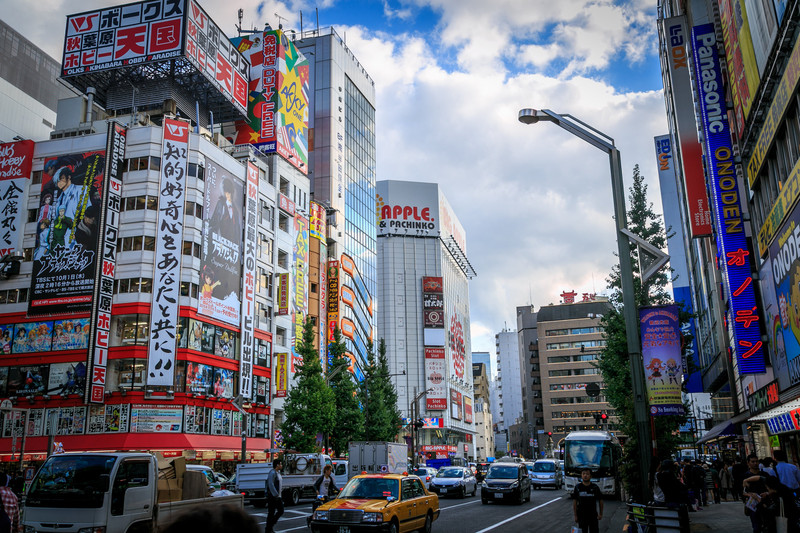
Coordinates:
column 309, row 409
column 614, row 362
column 379, row 398
column 349, row 422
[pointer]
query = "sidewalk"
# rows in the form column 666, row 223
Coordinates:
column 728, row 517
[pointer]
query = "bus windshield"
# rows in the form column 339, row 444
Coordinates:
column 71, row 481
column 594, row 454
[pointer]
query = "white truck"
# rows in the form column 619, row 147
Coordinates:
column 375, row 457
column 300, row 471
column 108, row 492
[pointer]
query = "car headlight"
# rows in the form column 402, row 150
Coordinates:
column 460, row 482
column 483, row 484
column 514, row 485
column 321, row 515
column 372, row 517
column 30, row 529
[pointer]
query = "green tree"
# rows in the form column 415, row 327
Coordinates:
column 614, row 362
column 393, row 419
column 349, row 422
column 310, row 408
column 376, row 416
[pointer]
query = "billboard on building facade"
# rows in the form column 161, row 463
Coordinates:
column 210, row 51
column 691, row 153
column 248, row 310
column 99, row 328
column 742, row 68
column 299, row 298
column 67, row 378
column 283, row 294
column 435, row 379
column 467, row 409
column 318, row 219
column 220, row 270
column 277, row 114
column 764, row 26
column 457, row 345
column 456, row 408
column 661, row 356
column 333, row 298
column 433, row 301
column 732, row 241
column 775, row 332
column 164, row 318
column 407, row 208
column 780, row 103
column 65, row 255
column 16, row 160
column 281, row 375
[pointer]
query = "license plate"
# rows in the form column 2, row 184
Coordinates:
column 343, row 529
column 498, row 494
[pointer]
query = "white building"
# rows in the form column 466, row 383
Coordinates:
column 508, row 379
column 424, row 313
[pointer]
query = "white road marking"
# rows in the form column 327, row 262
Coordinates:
column 301, row 513
column 458, row 505
column 517, row 516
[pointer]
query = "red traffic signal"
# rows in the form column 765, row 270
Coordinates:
column 604, row 417
column 549, row 433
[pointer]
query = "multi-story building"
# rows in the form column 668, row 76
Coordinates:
column 424, row 283
column 570, row 340
column 483, row 442
column 532, row 410
column 486, row 359
column 509, row 379
column 29, row 87
column 341, row 164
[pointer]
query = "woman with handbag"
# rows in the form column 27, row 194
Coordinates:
column 784, row 509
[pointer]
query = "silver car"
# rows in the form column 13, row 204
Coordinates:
column 454, row 480
column 546, row 473
column 425, row 474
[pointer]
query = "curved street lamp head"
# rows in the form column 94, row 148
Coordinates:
column 532, row 116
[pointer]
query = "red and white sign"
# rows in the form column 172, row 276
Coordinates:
column 435, row 379
column 456, row 408
column 16, row 160
column 445, row 448
column 249, row 285
column 285, row 204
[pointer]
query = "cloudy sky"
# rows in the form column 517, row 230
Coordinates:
column 451, row 76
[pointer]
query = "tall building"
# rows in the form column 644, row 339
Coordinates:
column 341, row 165
column 29, row 87
column 486, row 359
column 424, row 278
column 509, row 376
column 483, row 445
column 533, row 413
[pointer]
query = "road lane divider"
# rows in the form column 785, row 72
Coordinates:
column 507, row 520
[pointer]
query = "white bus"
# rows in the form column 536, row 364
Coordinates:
column 599, row 451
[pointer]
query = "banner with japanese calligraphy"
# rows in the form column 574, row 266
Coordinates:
column 119, row 36
column 249, row 285
column 213, row 54
column 220, row 269
column 733, row 247
column 100, row 325
column 281, row 375
column 277, row 114
column 299, row 299
column 65, row 253
column 661, row 355
column 16, row 160
column 164, row 308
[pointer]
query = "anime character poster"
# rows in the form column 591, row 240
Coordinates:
column 220, row 278
column 661, row 353
column 27, row 380
column 6, row 338
column 785, row 264
column 32, row 337
column 207, row 339
column 199, row 378
column 67, row 378
column 223, row 386
column 195, row 335
column 65, row 253
column 225, row 343
column 72, row 334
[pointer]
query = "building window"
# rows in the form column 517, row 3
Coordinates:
column 283, row 259
column 280, row 336
column 283, row 222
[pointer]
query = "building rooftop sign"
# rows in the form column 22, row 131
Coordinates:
column 156, row 39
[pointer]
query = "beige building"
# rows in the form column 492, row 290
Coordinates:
column 570, row 339
column 483, row 445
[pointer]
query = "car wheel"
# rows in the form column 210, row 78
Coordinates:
column 463, row 492
column 475, row 490
column 293, row 497
column 484, row 501
column 393, row 527
column 529, row 496
column 428, row 527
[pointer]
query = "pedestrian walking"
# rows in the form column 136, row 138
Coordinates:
column 738, row 473
column 10, row 518
column 274, row 500
column 725, row 480
column 757, row 503
column 782, row 504
column 766, row 466
column 585, row 501
column 712, row 481
column 787, row 473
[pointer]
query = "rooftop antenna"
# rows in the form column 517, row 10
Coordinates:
column 240, row 16
column 280, row 18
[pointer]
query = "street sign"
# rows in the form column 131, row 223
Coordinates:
column 532, row 442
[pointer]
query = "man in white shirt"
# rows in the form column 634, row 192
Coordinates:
column 787, row 473
column 274, row 500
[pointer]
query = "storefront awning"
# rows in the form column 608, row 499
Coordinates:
column 729, row 428
column 777, row 411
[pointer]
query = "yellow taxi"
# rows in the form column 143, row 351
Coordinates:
column 390, row 503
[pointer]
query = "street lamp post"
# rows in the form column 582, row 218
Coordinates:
column 605, row 143
column 412, row 409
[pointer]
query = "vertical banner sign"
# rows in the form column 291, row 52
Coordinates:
column 433, row 302
column 317, row 230
column 220, row 270
column 742, row 67
column 731, row 242
column 100, row 325
column 249, row 285
column 65, row 256
column 300, row 300
column 16, row 160
column 467, row 409
column 283, row 294
column 674, row 31
column 281, row 374
column 661, row 354
column 436, row 399
column 333, row 298
column 169, row 243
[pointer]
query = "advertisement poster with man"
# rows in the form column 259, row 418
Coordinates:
column 786, row 276
column 220, row 279
column 65, row 252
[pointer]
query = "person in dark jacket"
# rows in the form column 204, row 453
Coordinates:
column 325, row 485
column 274, row 499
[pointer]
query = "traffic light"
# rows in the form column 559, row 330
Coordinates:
column 604, row 418
column 549, row 433
column 419, row 424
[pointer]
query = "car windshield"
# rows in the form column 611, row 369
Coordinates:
column 502, row 472
column 71, row 481
column 370, row 488
column 483, row 467
column 421, row 472
column 544, row 467
column 450, row 472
